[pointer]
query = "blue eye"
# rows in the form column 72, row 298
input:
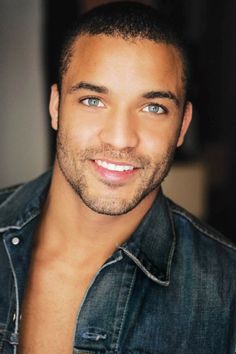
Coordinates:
column 92, row 102
column 154, row 108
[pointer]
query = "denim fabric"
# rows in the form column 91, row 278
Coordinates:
column 170, row 289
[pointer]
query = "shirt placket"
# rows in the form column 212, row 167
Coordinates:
column 18, row 249
column 102, row 316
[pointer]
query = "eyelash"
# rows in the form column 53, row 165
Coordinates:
column 159, row 106
column 81, row 100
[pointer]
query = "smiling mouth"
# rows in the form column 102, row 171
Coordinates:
column 116, row 167
column 114, row 173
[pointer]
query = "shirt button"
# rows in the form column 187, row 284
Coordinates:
column 15, row 241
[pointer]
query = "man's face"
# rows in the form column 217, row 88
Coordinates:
column 119, row 121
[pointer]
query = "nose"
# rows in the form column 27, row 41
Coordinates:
column 120, row 130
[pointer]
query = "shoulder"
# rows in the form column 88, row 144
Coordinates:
column 7, row 192
column 19, row 203
column 191, row 228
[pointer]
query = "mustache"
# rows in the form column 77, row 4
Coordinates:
column 108, row 152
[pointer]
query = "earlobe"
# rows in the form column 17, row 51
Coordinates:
column 185, row 123
column 54, row 106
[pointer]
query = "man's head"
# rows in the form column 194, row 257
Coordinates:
column 121, row 111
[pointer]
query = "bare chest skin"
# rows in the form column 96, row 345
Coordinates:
column 50, row 307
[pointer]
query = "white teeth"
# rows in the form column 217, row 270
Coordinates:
column 113, row 167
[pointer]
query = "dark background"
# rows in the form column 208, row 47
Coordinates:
column 210, row 31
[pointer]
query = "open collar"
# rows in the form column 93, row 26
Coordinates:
column 151, row 246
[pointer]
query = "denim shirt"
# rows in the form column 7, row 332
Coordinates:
column 170, row 289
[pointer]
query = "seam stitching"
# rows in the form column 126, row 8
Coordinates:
column 201, row 228
column 125, row 309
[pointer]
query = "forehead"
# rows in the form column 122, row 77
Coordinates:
column 142, row 63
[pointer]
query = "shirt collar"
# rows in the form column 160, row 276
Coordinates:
column 151, row 246
column 24, row 203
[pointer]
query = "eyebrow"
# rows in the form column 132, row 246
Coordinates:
column 88, row 86
column 162, row 94
column 102, row 89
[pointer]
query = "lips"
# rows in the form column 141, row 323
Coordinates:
column 114, row 172
column 114, row 166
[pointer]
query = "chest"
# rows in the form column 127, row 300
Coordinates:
column 51, row 303
column 124, row 312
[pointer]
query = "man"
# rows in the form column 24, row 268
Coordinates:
column 94, row 258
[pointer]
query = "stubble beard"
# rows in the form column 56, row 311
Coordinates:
column 72, row 167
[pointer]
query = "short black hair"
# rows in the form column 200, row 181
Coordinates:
column 128, row 20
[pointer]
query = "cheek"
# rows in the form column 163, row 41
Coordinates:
column 157, row 142
column 78, row 131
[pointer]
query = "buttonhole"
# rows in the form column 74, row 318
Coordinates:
column 93, row 336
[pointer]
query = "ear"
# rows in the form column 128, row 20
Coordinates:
column 188, row 111
column 54, row 106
